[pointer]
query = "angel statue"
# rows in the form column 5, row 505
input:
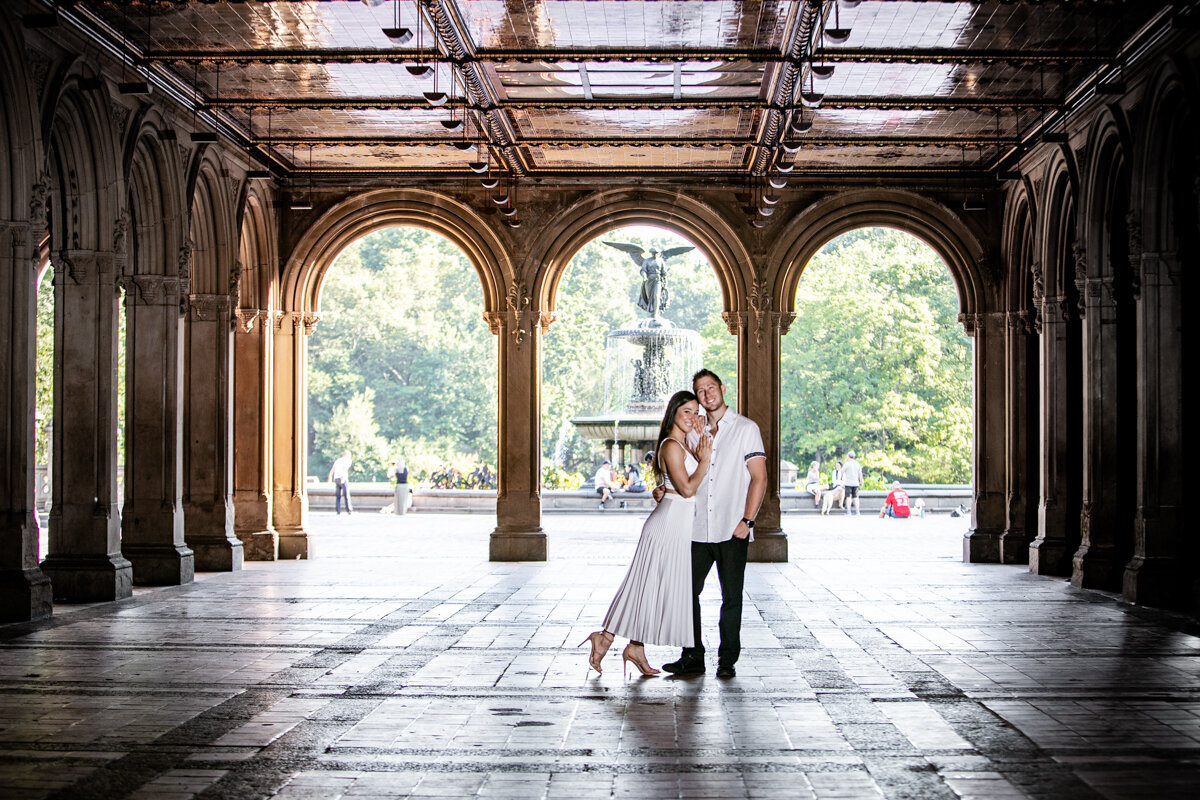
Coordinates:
column 654, row 295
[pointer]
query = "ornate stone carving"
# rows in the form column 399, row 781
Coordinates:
column 119, row 115
column 208, row 307
column 1133, row 223
column 518, row 307
column 184, row 271
column 309, row 320
column 1079, row 254
column 968, row 322
column 760, row 305
column 784, row 320
column 37, row 204
column 735, row 321
column 66, row 266
column 150, row 289
column 243, row 321
column 1039, row 294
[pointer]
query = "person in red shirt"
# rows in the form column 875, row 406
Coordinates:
column 896, row 504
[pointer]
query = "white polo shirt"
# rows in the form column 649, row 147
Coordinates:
column 721, row 497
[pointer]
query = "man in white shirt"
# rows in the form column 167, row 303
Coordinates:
column 852, row 473
column 605, row 483
column 723, row 527
column 339, row 473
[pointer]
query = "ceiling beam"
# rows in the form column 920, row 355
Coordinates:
column 635, row 103
column 957, row 141
column 940, row 55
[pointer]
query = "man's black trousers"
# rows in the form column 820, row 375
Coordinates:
column 730, row 558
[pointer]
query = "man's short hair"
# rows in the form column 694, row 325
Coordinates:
column 707, row 373
column 850, row 454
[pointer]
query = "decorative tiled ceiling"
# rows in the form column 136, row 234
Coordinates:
column 709, row 87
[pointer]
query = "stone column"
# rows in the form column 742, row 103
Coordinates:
column 1098, row 563
column 1157, row 575
column 758, row 336
column 1021, row 478
column 518, row 535
column 208, row 435
column 85, row 562
column 1050, row 552
column 252, row 374
column 25, row 592
column 152, row 518
column 289, row 503
column 982, row 541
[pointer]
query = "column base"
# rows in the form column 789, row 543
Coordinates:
column 25, row 595
column 259, row 545
column 218, row 554
column 1155, row 582
column 89, row 579
column 1048, row 558
column 295, row 545
column 768, row 546
column 1014, row 546
column 160, row 564
column 981, row 546
column 517, row 545
column 1096, row 568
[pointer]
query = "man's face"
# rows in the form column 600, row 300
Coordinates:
column 710, row 393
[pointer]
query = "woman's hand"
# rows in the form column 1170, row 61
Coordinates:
column 704, row 447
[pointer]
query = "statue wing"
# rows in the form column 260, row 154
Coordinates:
column 671, row 252
column 634, row 250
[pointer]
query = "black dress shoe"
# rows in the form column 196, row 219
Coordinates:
column 685, row 666
column 726, row 672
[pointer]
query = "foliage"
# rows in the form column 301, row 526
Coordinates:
column 876, row 361
column 401, row 318
column 557, row 478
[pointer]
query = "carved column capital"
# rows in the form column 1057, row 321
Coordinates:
column 149, row 290
column 968, row 323
column 495, row 322
column 208, row 307
column 309, row 320
column 244, row 319
column 735, row 321
column 1020, row 322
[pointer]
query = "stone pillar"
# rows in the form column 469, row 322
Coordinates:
column 152, row 518
column 1021, row 478
column 1157, row 574
column 252, row 375
column 289, row 504
column 1050, row 552
column 208, row 435
column 85, row 562
column 981, row 544
column 518, row 535
column 758, row 336
column 1098, row 563
column 25, row 592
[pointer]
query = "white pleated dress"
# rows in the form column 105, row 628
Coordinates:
column 654, row 603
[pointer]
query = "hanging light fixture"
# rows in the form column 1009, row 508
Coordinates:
column 137, row 86
column 398, row 34
column 837, row 34
column 252, row 173
column 202, row 137
column 435, row 98
column 419, row 70
column 303, row 203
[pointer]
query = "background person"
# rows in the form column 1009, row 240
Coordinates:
column 812, row 482
column 853, row 476
column 339, row 473
column 896, row 504
column 605, row 482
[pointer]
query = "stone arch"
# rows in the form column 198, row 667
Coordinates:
column 212, row 229
column 604, row 211
column 370, row 211
column 153, row 205
column 1058, row 226
column 1106, row 205
column 932, row 223
column 21, row 152
column 83, row 157
column 1157, row 160
column 1017, row 250
column 256, row 252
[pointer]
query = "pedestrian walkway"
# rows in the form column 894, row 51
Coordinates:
column 399, row 662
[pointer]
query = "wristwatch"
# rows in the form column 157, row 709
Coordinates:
column 749, row 522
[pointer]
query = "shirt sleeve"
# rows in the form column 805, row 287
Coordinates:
column 754, row 442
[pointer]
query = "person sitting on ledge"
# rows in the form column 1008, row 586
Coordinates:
column 896, row 504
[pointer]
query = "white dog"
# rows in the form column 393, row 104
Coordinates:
column 830, row 496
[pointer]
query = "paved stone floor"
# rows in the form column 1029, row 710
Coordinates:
column 400, row 663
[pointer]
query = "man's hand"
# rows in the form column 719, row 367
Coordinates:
column 742, row 531
column 659, row 493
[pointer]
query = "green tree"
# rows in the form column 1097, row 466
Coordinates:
column 352, row 427
column 876, row 361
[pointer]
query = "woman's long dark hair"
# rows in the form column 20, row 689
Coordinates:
column 664, row 430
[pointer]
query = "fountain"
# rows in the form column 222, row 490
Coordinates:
column 644, row 364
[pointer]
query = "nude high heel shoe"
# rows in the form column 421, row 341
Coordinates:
column 601, row 641
column 635, row 653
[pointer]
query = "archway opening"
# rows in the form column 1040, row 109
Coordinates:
column 608, row 365
column 876, row 362
column 402, row 366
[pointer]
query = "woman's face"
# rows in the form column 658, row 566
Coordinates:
column 688, row 417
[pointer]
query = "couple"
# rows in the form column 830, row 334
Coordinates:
column 712, row 476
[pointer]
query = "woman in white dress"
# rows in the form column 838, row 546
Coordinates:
column 654, row 603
